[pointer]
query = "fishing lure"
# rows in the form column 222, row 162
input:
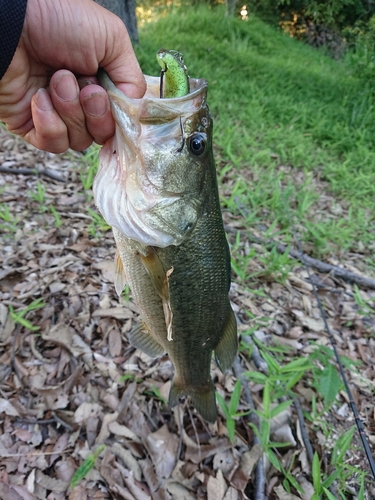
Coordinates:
column 174, row 74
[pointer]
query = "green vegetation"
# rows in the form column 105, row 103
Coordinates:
column 231, row 410
column 39, row 195
column 86, row 466
column 8, row 221
column 280, row 383
column 285, row 116
column 19, row 317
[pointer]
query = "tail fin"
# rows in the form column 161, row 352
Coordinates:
column 203, row 398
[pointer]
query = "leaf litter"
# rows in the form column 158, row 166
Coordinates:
column 74, row 385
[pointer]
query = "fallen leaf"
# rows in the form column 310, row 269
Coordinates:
column 224, row 461
column 7, row 408
column 123, row 431
column 284, row 434
column 162, row 446
column 283, row 495
column 216, row 486
column 129, row 461
column 86, row 411
column 179, row 492
column 114, row 343
column 231, row 494
column 113, row 312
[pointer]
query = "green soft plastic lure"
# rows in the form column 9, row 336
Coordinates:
column 174, row 74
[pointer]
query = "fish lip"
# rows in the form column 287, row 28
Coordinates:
column 152, row 108
column 197, row 86
column 122, row 174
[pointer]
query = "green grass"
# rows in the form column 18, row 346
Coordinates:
column 276, row 102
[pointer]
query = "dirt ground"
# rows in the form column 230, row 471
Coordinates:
column 70, row 381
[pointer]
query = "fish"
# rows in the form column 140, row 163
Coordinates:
column 157, row 187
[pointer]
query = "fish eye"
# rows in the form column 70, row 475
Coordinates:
column 197, row 144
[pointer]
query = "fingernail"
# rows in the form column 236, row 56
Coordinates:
column 66, row 88
column 95, row 104
column 43, row 100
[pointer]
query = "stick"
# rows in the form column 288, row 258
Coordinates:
column 321, row 266
column 305, row 437
column 260, row 479
column 259, row 362
column 32, row 171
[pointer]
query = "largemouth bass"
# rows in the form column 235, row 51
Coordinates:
column 157, row 187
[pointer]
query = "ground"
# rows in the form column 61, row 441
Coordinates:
column 70, row 382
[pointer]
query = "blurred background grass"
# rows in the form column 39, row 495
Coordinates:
column 278, row 102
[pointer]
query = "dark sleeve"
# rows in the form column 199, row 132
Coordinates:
column 12, row 15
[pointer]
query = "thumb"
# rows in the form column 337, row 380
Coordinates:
column 120, row 62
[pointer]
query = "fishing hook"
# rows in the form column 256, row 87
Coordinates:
column 162, row 81
column 183, row 137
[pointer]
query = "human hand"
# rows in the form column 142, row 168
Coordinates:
column 60, row 42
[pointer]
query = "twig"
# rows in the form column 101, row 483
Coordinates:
column 46, row 421
column 29, row 421
column 323, row 267
column 13, row 355
column 7, row 199
column 32, row 171
column 62, row 422
column 36, row 454
column 260, row 479
column 180, row 438
column 305, row 437
column 238, row 371
column 259, row 362
column 195, row 432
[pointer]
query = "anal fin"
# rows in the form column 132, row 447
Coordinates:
column 141, row 338
column 226, row 350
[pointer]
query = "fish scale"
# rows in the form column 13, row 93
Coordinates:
column 181, row 281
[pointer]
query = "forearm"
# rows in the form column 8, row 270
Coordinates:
column 12, row 15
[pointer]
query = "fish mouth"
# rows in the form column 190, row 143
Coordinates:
column 147, row 185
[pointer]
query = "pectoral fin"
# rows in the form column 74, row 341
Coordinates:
column 226, row 350
column 120, row 277
column 141, row 338
column 159, row 278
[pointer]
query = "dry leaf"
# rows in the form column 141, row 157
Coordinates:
column 114, row 343
column 224, row 460
column 113, row 312
column 49, row 483
column 216, row 486
column 283, row 495
column 104, row 431
column 284, row 434
column 231, row 494
column 129, row 461
column 163, row 446
column 123, row 431
column 86, row 411
column 315, row 325
column 307, row 487
column 179, row 492
column 7, row 408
